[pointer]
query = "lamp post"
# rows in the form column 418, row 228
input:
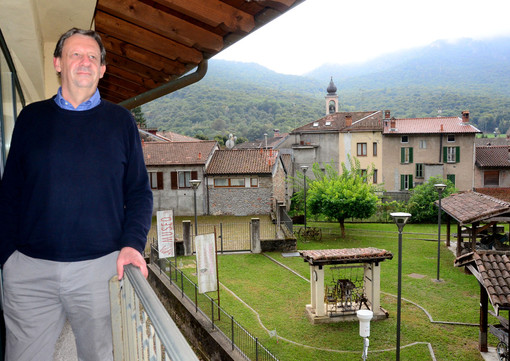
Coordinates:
column 195, row 183
column 400, row 220
column 304, row 168
column 440, row 188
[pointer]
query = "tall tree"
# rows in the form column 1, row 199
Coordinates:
column 139, row 117
column 344, row 195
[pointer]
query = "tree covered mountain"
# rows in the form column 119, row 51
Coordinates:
column 249, row 100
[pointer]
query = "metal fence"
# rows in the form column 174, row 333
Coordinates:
column 236, row 335
column 142, row 328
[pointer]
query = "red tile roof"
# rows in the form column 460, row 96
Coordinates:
column 346, row 255
column 242, row 161
column 176, row 137
column 178, row 153
column 495, row 156
column 450, row 125
column 336, row 122
column 469, row 207
column 502, row 193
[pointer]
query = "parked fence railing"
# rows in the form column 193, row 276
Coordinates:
column 142, row 328
column 236, row 335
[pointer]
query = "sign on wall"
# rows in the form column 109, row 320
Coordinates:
column 206, row 262
column 166, row 234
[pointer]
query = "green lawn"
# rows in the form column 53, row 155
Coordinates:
column 279, row 297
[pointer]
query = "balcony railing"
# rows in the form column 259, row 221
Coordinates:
column 142, row 328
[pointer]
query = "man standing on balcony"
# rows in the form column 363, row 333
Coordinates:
column 75, row 207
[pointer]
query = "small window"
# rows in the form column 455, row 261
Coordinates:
column 156, row 180
column 328, row 123
column 406, row 155
column 364, row 174
column 316, row 124
column 184, row 178
column 375, row 176
column 374, row 148
column 451, row 178
column 221, row 182
column 450, row 138
column 362, row 149
column 423, row 144
column 419, row 170
column 405, row 139
column 491, row 178
column 406, row 181
column 254, row 182
column 450, row 154
column 237, row 182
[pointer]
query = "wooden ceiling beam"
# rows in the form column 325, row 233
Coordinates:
column 124, row 83
column 126, row 74
column 141, row 70
column 163, row 23
column 142, row 56
column 214, row 13
column 145, row 39
column 111, row 96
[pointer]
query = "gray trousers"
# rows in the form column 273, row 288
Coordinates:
column 38, row 297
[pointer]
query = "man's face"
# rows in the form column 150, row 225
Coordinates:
column 80, row 64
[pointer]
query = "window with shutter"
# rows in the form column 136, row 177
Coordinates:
column 173, row 180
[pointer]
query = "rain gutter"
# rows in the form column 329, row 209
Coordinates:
column 167, row 88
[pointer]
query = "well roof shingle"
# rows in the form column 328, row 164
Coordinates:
column 242, row 161
column 346, row 255
column 469, row 207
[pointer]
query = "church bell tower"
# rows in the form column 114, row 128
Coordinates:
column 331, row 98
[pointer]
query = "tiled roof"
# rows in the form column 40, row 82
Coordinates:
column 492, row 141
column 450, row 125
column 176, row 137
column 469, row 207
column 494, row 268
column 178, row 153
column 336, row 122
column 493, row 157
column 273, row 143
column 502, row 193
column 242, row 161
column 346, row 255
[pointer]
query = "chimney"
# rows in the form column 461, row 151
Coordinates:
column 393, row 124
column 276, row 132
column 199, row 155
column 465, row 116
column 442, row 128
column 348, row 120
column 386, row 114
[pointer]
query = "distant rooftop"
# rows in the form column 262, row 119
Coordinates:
column 178, row 153
column 493, row 156
column 446, row 125
column 242, row 161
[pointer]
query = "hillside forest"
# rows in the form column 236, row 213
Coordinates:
column 248, row 100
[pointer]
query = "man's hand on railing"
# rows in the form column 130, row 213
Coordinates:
column 129, row 255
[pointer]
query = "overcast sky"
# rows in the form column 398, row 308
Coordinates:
column 341, row 31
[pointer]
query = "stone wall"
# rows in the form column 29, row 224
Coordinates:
column 242, row 201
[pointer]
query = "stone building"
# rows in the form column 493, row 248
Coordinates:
column 245, row 181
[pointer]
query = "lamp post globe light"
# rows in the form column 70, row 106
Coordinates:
column 195, row 183
column 304, row 168
column 364, row 317
column 400, row 220
column 440, row 188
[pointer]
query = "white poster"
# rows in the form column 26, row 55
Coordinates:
column 206, row 262
column 166, row 234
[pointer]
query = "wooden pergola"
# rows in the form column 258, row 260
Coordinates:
column 475, row 213
column 369, row 259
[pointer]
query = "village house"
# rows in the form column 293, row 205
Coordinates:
column 418, row 148
column 171, row 166
column 336, row 137
column 492, row 171
column 246, row 181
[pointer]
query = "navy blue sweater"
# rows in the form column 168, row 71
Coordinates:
column 75, row 186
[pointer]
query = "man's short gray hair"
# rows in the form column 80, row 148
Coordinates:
column 94, row 35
